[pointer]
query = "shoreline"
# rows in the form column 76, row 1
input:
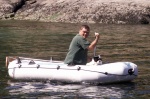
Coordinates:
column 78, row 11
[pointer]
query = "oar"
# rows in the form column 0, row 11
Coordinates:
column 95, row 51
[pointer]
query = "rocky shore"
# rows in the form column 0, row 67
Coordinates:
column 76, row 11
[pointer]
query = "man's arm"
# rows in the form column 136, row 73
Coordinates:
column 93, row 44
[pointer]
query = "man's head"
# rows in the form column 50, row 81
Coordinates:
column 84, row 31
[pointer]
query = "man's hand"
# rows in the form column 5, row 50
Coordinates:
column 97, row 35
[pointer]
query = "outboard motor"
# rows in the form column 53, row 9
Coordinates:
column 98, row 59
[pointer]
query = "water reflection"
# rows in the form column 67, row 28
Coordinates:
column 53, row 90
column 46, row 40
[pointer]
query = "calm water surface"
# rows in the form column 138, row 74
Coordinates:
column 46, row 40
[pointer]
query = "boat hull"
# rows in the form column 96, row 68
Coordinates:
column 29, row 69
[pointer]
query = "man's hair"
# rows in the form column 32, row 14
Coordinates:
column 85, row 26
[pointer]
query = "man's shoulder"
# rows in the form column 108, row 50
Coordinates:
column 78, row 37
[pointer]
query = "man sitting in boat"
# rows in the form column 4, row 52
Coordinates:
column 79, row 46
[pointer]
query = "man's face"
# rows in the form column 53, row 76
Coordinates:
column 84, row 33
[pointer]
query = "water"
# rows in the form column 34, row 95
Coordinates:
column 46, row 40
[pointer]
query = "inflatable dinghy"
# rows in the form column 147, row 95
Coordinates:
column 38, row 69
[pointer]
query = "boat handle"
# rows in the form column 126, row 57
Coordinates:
column 18, row 60
column 78, row 68
column 131, row 71
column 19, row 66
column 38, row 66
column 31, row 62
column 58, row 67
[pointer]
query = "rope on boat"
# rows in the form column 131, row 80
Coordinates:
column 79, row 69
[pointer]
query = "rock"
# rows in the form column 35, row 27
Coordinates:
column 145, row 19
column 75, row 11
column 5, row 8
column 9, row 7
column 17, row 4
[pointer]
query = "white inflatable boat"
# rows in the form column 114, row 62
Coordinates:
column 38, row 69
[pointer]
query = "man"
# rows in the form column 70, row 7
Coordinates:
column 79, row 47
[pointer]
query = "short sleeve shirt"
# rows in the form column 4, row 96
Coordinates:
column 77, row 51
